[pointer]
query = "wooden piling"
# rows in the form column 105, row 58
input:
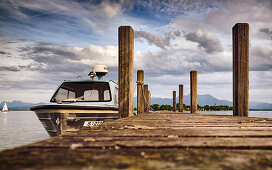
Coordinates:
column 140, row 91
column 181, row 98
column 193, row 91
column 240, row 37
column 125, row 66
column 146, row 98
column 149, row 98
column 174, row 101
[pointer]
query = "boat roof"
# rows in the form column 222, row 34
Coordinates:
column 89, row 80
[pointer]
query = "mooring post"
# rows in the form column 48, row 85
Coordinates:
column 149, row 97
column 174, row 101
column 181, row 98
column 146, row 98
column 140, row 91
column 240, row 38
column 125, row 67
column 193, row 91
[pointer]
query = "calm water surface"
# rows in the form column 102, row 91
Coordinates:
column 20, row 128
column 260, row 114
column 23, row 127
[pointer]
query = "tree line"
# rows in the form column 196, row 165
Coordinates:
column 157, row 107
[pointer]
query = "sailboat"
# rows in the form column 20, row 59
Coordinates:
column 5, row 108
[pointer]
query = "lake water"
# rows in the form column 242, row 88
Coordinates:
column 20, row 128
column 23, row 127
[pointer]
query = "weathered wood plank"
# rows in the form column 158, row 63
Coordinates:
column 154, row 141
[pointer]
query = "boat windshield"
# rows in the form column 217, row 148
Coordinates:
column 83, row 91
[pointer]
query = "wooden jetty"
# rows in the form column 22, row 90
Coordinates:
column 154, row 141
column 159, row 140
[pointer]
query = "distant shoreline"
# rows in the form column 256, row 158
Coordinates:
column 28, row 109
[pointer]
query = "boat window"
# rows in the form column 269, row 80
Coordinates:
column 71, row 95
column 62, row 94
column 91, row 95
column 106, row 95
column 83, row 91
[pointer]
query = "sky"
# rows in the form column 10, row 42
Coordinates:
column 43, row 42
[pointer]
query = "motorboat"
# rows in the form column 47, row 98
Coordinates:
column 80, row 103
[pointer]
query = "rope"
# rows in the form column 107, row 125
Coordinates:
column 145, row 100
column 134, row 88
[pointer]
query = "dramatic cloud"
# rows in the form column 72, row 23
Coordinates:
column 61, row 40
column 51, row 63
column 267, row 32
column 261, row 58
column 155, row 39
column 55, row 58
column 206, row 41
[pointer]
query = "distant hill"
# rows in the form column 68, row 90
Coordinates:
column 203, row 100
column 259, row 105
column 19, row 105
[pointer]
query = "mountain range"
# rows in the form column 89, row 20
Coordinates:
column 202, row 100
column 19, row 105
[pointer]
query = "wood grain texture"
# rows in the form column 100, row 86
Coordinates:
column 125, row 66
column 174, row 101
column 240, row 35
column 154, row 141
column 140, row 92
column 193, row 91
column 146, row 99
column 181, row 98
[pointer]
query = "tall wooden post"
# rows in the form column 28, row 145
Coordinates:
column 181, row 98
column 125, row 66
column 240, row 38
column 193, row 91
column 146, row 98
column 174, row 101
column 140, row 91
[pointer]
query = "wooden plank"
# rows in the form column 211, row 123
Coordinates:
column 175, row 139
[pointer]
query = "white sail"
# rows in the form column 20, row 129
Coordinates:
column 5, row 108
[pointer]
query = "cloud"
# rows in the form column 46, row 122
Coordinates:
column 267, row 32
column 179, row 61
column 169, row 8
column 261, row 58
column 50, row 63
column 157, row 40
column 50, row 57
column 206, row 41
column 9, row 68
column 4, row 53
column 107, row 9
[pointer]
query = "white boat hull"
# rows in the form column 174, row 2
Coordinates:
column 58, row 119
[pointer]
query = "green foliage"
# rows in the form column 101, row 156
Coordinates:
column 157, row 107
column 166, row 107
